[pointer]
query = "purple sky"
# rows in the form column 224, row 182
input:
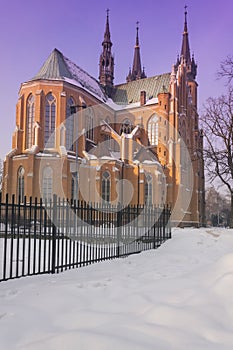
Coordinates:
column 30, row 30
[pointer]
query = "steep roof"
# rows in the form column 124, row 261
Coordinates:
column 130, row 92
column 59, row 67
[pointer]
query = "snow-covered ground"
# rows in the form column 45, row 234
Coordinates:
column 179, row 296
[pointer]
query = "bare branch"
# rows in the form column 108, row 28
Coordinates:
column 226, row 69
column 217, row 122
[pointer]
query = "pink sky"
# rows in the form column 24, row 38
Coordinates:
column 30, row 30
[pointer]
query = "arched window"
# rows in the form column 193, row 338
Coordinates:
column 153, row 130
column 20, row 183
column 107, row 138
column 47, row 183
column 30, row 119
column 50, row 118
column 148, row 189
column 89, row 123
column 74, row 186
column 126, row 127
column 106, row 186
column 69, row 125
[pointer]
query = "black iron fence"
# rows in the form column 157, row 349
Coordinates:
column 39, row 237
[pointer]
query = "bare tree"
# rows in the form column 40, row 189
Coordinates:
column 226, row 69
column 217, row 123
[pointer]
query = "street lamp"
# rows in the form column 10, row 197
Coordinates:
column 73, row 110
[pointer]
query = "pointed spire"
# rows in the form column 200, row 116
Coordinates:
column 137, row 38
column 185, row 57
column 185, row 20
column 185, row 51
column 106, row 62
column 107, row 36
column 137, row 72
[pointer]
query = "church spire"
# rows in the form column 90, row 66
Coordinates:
column 136, row 72
column 185, row 51
column 106, row 62
column 137, row 38
column 107, row 36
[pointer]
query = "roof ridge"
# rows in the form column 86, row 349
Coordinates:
column 141, row 80
column 54, row 67
column 81, row 69
column 128, row 93
column 59, row 67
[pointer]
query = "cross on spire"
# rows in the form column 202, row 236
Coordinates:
column 136, row 72
column 137, row 28
column 185, row 50
column 185, row 13
column 107, row 11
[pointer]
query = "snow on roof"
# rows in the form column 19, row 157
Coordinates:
column 84, row 79
column 119, row 107
column 59, row 67
column 152, row 101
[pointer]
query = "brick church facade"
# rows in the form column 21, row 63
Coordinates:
column 136, row 142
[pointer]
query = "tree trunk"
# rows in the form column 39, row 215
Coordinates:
column 231, row 218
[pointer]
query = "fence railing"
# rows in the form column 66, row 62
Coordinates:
column 39, row 237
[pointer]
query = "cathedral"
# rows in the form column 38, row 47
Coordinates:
column 138, row 142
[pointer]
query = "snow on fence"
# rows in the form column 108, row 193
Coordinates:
column 48, row 237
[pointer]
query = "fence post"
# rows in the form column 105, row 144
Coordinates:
column 5, row 238
column 54, row 234
column 119, row 224
column 154, row 223
column 169, row 222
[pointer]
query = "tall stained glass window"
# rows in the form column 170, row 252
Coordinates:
column 106, row 186
column 20, row 183
column 50, row 119
column 30, row 119
column 69, row 125
column 153, row 130
column 47, row 183
column 148, row 189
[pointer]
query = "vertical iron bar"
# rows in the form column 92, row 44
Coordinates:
column 24, row 234
column 29, row 235
column 54, row 233
column 40, row 235
column 18, row 241
column 34, row 235
column 12, row 234
column 119, row 222
column 46, row 234
column 5, row 238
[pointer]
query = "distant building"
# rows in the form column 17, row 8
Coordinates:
column 133, row 143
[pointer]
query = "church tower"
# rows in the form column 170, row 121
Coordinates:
column 185, row 52
column 186, row 69
column 106, row 63
column 136, row 72
column 183, row 89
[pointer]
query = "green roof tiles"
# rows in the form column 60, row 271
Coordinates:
column 54, row 67
column 59, row 67
column 130, row 92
